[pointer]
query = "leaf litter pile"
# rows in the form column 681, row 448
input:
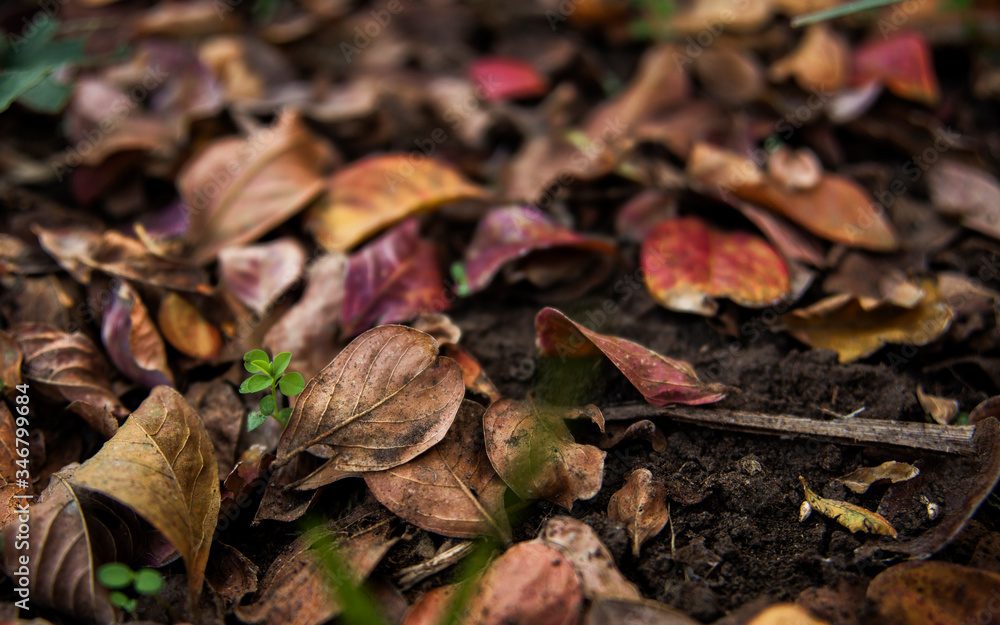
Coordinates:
column 567, row 313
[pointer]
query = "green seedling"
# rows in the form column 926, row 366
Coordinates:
column 270, row 375
column 119, row 578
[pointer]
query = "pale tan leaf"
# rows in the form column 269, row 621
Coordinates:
column 860, row 479
column 641, row 506
column 941, row 409
column 591, row 560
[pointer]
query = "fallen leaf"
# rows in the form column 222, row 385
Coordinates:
column 432, row 607
column 902, row 63
column 984, row 410
column 661, row 380
column 504, row 78
column 186, row 329
column 161, row 464
column 686, row 263
column 530, row 583
column 790, row 241
column 231, row 574
column 238, row 189
column 784, row 614
column 440, row 326
column 66, row 366
column 822, row 60
column 591, row 560
column 614, row 611
column 394, row 278
column 618, row 433
column 258, row 274
column 296, row 589
column 386, row 399
column 11, row 358
column 641, row 506
column 309, row 329
column 850, row 516
column 941, row 409
column 730, row 75
column 752, row 15
column 639, row 215
column 131, row 339
column 8, row 467
column 374, row 193
column 919, row 593
column 860, row 479
column 223, row 413
column 535, row 454
column 473, row 375
column 857, row 327
column 967, row 192
column 795, row 170
column 508, row 234
column 450, row 489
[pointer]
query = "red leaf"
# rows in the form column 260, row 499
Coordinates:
column 394, row 278
column 504, row 78
column 686, row 263
column 903, row 64
column 661, row 380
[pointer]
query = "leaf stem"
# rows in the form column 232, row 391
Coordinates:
column 839, row 11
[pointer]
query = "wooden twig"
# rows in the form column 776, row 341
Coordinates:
column 950, row 439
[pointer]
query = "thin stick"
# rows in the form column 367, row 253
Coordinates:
column 949, row 439
column 839, row 11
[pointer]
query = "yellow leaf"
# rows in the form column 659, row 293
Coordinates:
column 854, row 518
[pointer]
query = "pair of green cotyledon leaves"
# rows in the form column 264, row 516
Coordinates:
column 270, row 375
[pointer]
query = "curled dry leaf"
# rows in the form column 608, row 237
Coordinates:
column 926, row 593
column 508, row 234
column 186, row 329
column 618, row 432
column 296, row 588
column 223, row 413
column 984, row 410
column 473, row 375
column 230, row 573
column 374, row 193
column 892, row 471
column 133, row 344
column 238, row 189
column 67, row 366
column 535, row 454
column 614, row 611
column 968, row 192
column 161, row 464
column 503, row 78
column 730, row 75
column 591, row 560
column 857, row 327
column 686, row 263
column 641, row 506
column 941, row 409
column 854, row 518
column 661, row 380
column 440, row 326
column 394, row 278
column 902, row 63
column 450, row 489
column 258, row 274
column 386, row 399
column 821, row 61
column 11, row 358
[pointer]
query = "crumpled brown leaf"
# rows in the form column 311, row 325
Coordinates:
column 591, row 560
column 132, row 340
column 641, row 506
column 860, row 479
column 161, row 464
column 534, row 452
column 822, row 60
column 941, row 409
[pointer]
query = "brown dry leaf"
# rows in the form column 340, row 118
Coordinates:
column 230, row 573
column 730, row 75
column 67, row 366
column 591, row 560
column 751, row 15
column 296, row 588
column 161, row 464
column 374, row 193
column 854, row 518
column 440, row 326
column 450, row 489
column 821, row 61
column 8, row 467
column 258, row 274
column 238, row 189
column 641, row 506
column 473, row 375
column 11, row 358
column 186, row 329
column 941, row 409
column 534, row 452
column 785, row 614
column 859, row 480
column 857, row 327
column 618, row 433
column 131, row 339
column 386, row 399
column 223, row 412
column 612, row 611
column 929, row 593
column 968, row 192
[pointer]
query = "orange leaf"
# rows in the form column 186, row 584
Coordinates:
column 186, row 329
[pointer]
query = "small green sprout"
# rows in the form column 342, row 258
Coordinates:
column 118, row 577
column 268, row 374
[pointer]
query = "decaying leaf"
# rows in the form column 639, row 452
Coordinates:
column 902, row 63
column 641, row 506
column 821, row 61
column 473, row 375
column 927, row 593
column 535, row 454
column 394, row 278
column 450, row 489
column 591, row 560
column 507, row 234
column 66, row 365
column 132, row 341
column 8, row 466
column 941, row 409
column 11, row 358
column 661, row 380
column 386, row 399
column 372, row 194
column 686, row 263
column 967, row 192
column 161, row 464
column 785, row 614
column 440, row 326
column 186, row 329
column 230, row 573
column 892, row 471
column 619, row 432
column 857, row 327
column 614, row 611
column 258, row 274
column 854, row 518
